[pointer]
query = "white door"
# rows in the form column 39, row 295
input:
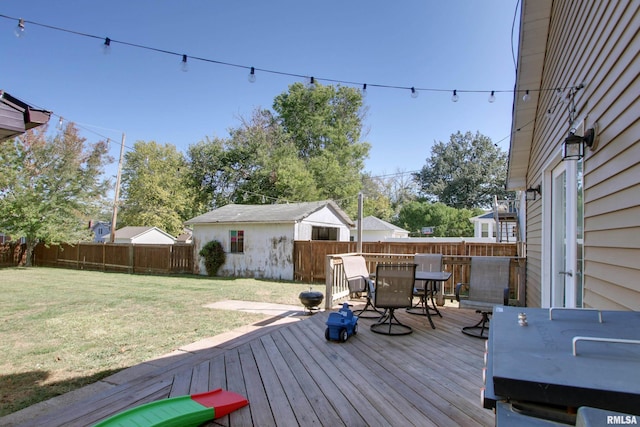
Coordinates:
column 564, row 236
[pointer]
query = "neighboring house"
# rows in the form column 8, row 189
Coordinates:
column 258, row 239
column 186, row 237
column 377, row 230
column 17, row 117
column 101, row 231
column 143, row 236
column 583, row 219
column 484, row 226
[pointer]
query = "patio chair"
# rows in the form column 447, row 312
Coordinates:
column 426, row 262
column 488, row 286
column 357, row 274
column 394, row 289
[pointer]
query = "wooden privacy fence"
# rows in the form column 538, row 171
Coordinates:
column 337, row 289
column 309, row 257
column 156, row 259
column 12, row 254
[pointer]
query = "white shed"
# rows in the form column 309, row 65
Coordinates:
column 258, row 239
column 143, row 236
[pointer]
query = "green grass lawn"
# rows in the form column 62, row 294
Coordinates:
column 62, row 329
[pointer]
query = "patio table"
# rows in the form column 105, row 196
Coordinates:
column 430, row 278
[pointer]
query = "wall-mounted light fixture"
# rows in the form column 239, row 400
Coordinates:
column 574, row 144
column 532, row 193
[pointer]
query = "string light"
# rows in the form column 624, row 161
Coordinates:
column 252, row 75
column 106, row 46
column 184, row 65
column 60, row 123
column 526, row 96
column 19, row 31
column 312, row 82
column 492, row 97
column 363, row 92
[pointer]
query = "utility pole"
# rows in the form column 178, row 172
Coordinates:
column 114, row 217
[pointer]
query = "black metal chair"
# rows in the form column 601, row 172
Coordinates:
column 357, row 274
column 488, row 286
column 394, row 289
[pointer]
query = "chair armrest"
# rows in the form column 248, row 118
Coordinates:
column 366, row 283
column 458, row 287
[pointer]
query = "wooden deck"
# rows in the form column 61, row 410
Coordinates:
column 292, row 376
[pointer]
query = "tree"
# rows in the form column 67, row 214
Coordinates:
column 445, row 220
column 308, row 149
column 376, row 200
column 466, row 172
column 272, row 170
column 154, row 188
column 51, row 187
column 258, row 163
column 325, row 125
column 323, row 118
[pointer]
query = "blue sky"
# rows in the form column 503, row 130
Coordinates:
column 442, row 45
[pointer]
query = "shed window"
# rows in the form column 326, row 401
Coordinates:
column 236, row 237
column 485, row 229
column 324, row 233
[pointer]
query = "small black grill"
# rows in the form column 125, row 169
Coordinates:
column 563, row 359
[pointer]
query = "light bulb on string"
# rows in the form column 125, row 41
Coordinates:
column 363, row 92
column 414, row 92
column 564, row 96
column 60, row 123
column 252, row 75
column 492, row 97
column 184, row 65
column 312, row 82
column 106, row 46
column 19, row 30
column 549, row 113
column 526, row 96
column 455, row 96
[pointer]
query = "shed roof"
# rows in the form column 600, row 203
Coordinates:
column 290, row 212
column 131, row 232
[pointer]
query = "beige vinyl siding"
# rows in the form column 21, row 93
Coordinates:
column 596, row 43
column 534, row 254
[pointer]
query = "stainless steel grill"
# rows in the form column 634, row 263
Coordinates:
column 558, row 360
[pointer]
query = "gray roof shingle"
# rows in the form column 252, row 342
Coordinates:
column 289, row 212
column 376, row 224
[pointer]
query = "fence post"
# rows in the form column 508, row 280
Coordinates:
column 328, row 298
column 131, row 259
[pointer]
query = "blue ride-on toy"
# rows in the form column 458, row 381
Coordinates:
column 341, row 324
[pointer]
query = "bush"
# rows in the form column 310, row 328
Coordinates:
column 214, row 257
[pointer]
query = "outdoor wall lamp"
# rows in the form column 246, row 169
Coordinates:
column 574, row 145
column 530, row 193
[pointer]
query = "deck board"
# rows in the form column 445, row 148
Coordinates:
column 292, row 376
